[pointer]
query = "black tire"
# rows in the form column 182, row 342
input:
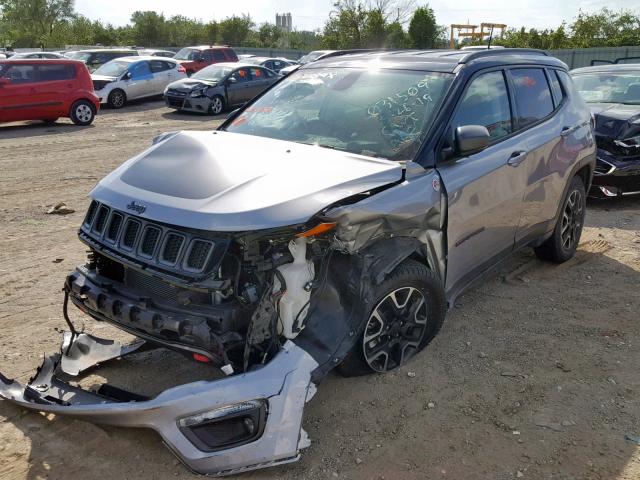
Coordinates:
column 216, row 107
column 562, row 245
column 408, row 281
column 82, row 112
column 117, row 98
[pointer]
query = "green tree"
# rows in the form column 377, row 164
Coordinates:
column 235, row 30
column 269, row 35
column 396, row 36
column 149, row 29
column 31, row 22
column 375, row 30
column 423, row 28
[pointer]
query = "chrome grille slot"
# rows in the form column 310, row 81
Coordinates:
column 130, row 234
column 171, row 248
column 140, row 243
column 114, row 227
column 149, row 241
column 91, row 213
column 199, row 252
column 101, row 219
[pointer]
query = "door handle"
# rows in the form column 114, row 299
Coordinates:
column 566, row 131
column 516, row 158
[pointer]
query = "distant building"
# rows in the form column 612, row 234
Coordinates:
column 283, row 21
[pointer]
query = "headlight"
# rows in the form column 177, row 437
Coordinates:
column 197, row 93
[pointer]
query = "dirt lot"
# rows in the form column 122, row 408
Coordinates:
column 536, row 373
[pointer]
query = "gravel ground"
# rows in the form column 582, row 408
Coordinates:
column 535, row 373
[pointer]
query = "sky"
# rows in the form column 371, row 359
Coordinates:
column 312, row 14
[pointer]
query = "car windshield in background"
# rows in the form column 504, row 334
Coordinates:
column 187, row 54
column 113, row 68
column 82, row 56
column 609, row 87
column 380, row 113
column 310, row 57
column 213, row 73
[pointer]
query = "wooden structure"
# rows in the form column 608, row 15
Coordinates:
column 467, row 30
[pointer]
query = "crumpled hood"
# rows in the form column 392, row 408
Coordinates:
column 614, row 120
column 225, row 181
column 103, row 78
column 191, row 84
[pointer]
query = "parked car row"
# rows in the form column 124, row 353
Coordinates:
column 218, row 81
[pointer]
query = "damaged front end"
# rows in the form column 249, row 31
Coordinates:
column 274, row 308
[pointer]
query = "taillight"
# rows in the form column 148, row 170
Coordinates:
column 200, row 358
column 181, row 69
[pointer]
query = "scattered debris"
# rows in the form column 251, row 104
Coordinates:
column 567, row 423
column 60, row 209
column 57, row 260
column 411, row 374
column 431, row 405
column 482, row 355
column 519, row 474
column 632, row 438
column 358, row 461
column 562, row 367
column 556, row 427
column 516, row 432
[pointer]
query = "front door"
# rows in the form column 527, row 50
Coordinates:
column 141, row 81
column 238, row 88
column 484, row 190
column 19, row 99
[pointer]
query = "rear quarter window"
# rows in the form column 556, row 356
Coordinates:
column 231, row 55
column 532, row 95
column 51, row 73
column 558, row 94
column 218, row 56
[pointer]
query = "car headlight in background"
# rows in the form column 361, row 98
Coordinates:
column 225, row 427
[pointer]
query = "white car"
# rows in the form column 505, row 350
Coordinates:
column 130, row 78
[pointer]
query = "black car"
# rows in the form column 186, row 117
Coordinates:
column 613, row 93
column 275, row 64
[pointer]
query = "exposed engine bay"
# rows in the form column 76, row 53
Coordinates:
column 227, row 299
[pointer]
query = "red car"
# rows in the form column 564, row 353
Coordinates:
column 46, row 90
column 196, row 58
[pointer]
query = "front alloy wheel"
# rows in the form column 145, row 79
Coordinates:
column 395, row 329
column 217, row 105
column 572, row 220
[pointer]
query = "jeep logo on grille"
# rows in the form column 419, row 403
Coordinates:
column 137, row 207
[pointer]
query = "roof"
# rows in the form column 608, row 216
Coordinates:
column 440, row 60
column 42, row 61
column 205, row 47
column 96, row 50
column 613, row 67
column 138, row 58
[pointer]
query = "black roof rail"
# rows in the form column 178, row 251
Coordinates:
column 473, row 55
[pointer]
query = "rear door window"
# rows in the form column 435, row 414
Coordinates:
column 532, row 95
column 257, row 73
column 207, row 56
column 231, row 55
column 486, row 103
column 160, row 66
column 51, row 73
column 218, row 56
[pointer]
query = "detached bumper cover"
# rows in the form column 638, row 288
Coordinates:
column 283, row 385
column 616, row 176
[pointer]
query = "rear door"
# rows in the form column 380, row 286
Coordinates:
column 141, row 82
column 484, row 191
column 163, row 74
column 259, row 81
column 56, row 83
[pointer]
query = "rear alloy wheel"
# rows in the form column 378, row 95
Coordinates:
column 406, row 312
column 217, row 105
column 117, row 99
column 562, row 245
column 82, row 112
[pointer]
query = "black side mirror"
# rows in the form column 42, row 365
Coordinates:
column 127, row 76
column 231, row 80
column 471, row 138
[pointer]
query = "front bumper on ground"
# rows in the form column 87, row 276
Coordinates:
column 283, row 386
column 189, row 104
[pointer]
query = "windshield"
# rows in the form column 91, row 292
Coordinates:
column 114, row 68
column 609, row 87
column 213, row 73
column 310, row 57
column 187, row 54
column 83, row 56
column 380, row 113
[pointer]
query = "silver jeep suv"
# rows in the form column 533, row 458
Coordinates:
column 328, row 223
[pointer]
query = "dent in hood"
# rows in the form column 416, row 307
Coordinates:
column 233, row 182
column 616, row 120
column 191, row 84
